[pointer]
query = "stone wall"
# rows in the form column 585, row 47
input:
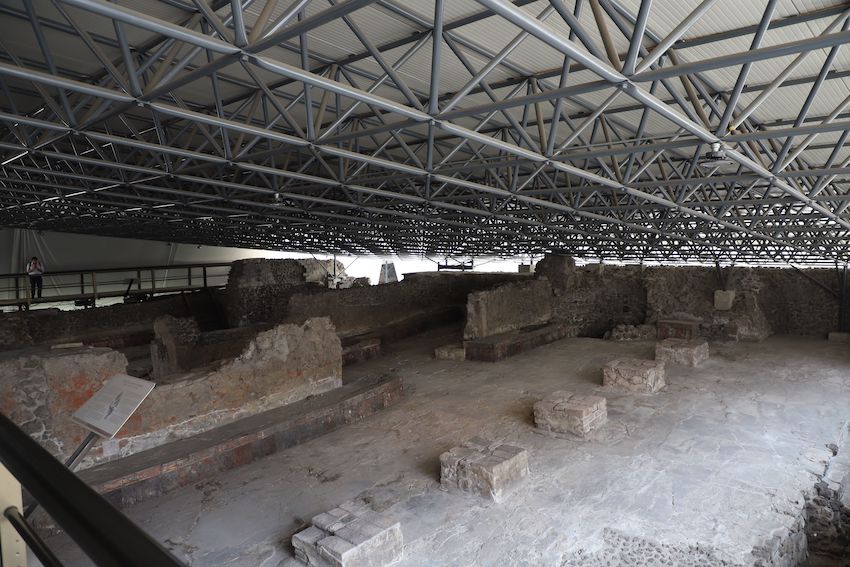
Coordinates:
column 793, row 304
column 258, row 289
column 25, row 328
column 688, row 292
column 597, row 298
column 179, row 345
column 594, row 298
column 398, row 309
column 40, row 392
column 279, row 366
column 508, row 307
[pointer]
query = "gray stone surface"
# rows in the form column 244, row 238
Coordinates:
column 680, row 351
column 483, row 468
column 568, row 412
column 635, row 374
column 351, row 535
column 508, row 307
column 451, row 351
column 828, row 505
column 708, row 471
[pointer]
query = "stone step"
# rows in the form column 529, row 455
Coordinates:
column 187, row 461
column 498, row 347
column 359, row 350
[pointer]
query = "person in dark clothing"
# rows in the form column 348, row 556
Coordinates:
column 35, row 270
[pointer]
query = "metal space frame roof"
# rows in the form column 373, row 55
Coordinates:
column 343, row 126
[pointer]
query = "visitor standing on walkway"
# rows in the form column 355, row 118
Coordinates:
column 35, row 269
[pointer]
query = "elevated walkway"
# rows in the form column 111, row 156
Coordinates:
column 134, row 284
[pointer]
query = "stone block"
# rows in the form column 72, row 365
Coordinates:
column 836, row 337
column 566, row 412
column 482, row 468
column 678, row 329
column 681, row 351
column 304, row 544
column 452, row 351
column 351, row 535
column 723, row 299
column 634, row 374
column 632, row 333
column 508, row 307
column 498, row 347
column 360, row 351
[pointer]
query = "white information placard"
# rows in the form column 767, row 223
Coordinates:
column 108, row 410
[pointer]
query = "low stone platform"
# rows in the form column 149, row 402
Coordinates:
column 485, row 469
column 350, row 535
column 634, row 374
column 499, row 347
column 187, row 461
column 632, row 333
column 452, row 351
column 678, row 329
column 566, row 412
column 838, row 337
column 360, row 350
column 681, row 351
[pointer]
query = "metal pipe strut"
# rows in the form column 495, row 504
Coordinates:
column 32, row 539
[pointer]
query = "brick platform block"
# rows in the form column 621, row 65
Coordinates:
column 453, row 351
column 566, row 412
column 680, row 351
column 499, row 347
column 677, row 329
column 634, row 374
column 482, row 468
column 351, row 535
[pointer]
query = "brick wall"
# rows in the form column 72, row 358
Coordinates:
column 285, row 364
column 395, row 309
column 24, row 328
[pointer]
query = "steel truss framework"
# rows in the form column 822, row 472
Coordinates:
column 227, row 122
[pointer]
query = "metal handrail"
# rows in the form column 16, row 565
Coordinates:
column 62, row 285
column 106, row 535
column 127, row 269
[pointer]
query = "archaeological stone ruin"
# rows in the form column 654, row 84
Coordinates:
column 424, row 283
column 454, row 399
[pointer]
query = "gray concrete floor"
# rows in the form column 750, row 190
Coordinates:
column 719, row 459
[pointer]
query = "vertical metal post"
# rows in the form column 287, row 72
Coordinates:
column 82, row 283
column 139, row 280
column 13, row 551
column 205, row 276
column 842, row 308
column 12, row 514
column 153, row 282
column 189, row 276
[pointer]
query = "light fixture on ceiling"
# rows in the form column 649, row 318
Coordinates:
column 715, row 158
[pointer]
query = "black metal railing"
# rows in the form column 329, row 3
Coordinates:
column 94, row 284
column 106, row 535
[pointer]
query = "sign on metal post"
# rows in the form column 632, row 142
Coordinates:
column 108, row 410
